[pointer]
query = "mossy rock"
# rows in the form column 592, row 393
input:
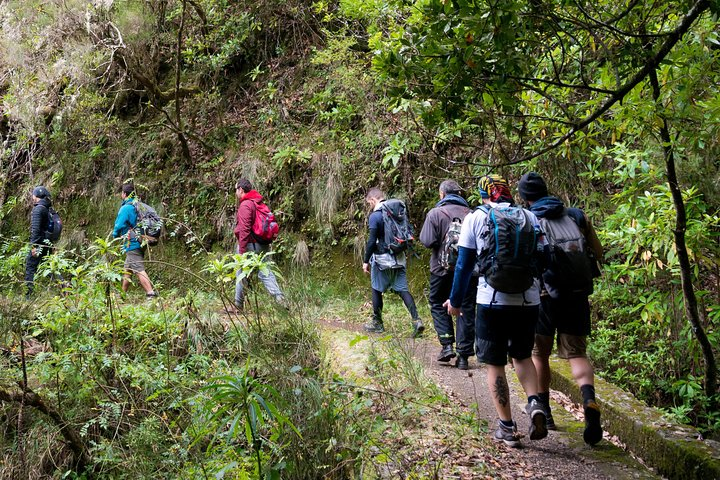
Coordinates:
column 674, row 450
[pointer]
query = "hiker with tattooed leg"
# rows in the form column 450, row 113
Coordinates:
column 504, row 238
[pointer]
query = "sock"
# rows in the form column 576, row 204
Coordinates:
column 588, row 393
column 545, row 399
column 534, row 397
column 507, row 423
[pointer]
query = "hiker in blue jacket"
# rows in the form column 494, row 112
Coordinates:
column 125, row 224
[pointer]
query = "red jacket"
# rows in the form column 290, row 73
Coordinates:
column 245, row 218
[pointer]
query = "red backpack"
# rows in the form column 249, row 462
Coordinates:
column 265, row 228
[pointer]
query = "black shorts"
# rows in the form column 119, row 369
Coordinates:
column 569, row 315
column 504, row 330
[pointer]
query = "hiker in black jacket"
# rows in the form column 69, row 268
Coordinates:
column 387, row 270
column 39, row 245
column 434, row 231
column 564, row 308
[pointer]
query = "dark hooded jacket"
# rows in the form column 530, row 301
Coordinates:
column 552, row 207
column 436, row 226
column 39, row 221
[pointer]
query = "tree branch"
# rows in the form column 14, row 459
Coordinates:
column 82, row 460
column 672, row 39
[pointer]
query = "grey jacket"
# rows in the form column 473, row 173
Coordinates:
column 436, row 226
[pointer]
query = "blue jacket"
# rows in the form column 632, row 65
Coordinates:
column 125, row 221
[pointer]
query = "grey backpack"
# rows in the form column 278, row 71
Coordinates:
column 449, row 247
column 569, row 267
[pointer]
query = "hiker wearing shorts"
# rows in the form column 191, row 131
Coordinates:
column 248, row 199
column 451, row 207
column 564, row 312
column 387, row 271
column 504, row 322
column 125, row 223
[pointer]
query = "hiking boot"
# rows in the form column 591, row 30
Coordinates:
column 550, row 423
column 509, row 435
column 593, row 430
column 282, row 302
column 447, row 353
column 151, row 295
column 462, row 363
column 418, row 328
column 235, row 309
column 538, row 420
column 374, row 326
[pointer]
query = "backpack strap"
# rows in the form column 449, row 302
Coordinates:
column 578, row 217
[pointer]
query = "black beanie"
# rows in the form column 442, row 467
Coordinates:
column 41, row 192
column 532, row 187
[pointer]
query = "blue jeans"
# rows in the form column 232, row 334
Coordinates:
column 268, row 279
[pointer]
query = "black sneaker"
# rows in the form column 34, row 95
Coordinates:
column 418, row 328
column 447, row 353
column 593, row 430
column 509, row 435
column 462, row 363
column 374, row 326
column 538, row 420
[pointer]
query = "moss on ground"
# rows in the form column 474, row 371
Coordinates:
column 673, row 449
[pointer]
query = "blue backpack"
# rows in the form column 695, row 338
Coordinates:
column 508, row 258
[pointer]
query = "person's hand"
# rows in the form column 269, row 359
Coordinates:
column 451, row 310
column 366, row 268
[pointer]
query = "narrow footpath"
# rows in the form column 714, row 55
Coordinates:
column 562, row 455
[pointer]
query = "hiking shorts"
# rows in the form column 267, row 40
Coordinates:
column 394, row 279
column 569, row 318
column 504, row 330
column 134, row 261
column 568, row 346
column 569, row 315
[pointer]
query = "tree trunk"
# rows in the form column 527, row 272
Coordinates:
column 691, row 306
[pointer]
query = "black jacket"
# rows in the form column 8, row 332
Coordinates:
column 39, row 220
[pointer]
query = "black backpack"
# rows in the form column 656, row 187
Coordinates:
column 398, row 231
column 569, row 266
column 508, row 258
column 148, row 227
column 449, row 247
column 55, row 226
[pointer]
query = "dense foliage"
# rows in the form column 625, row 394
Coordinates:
column 316, row 102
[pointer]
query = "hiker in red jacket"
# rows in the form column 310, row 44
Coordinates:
column 249, row 200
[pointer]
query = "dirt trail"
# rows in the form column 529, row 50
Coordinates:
column 562, row 455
